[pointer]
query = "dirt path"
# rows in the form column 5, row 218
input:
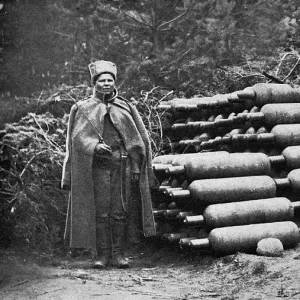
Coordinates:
column 165, row 274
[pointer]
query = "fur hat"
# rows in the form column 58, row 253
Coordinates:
column 102, row 66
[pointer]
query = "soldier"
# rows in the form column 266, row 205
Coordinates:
column 107, row 155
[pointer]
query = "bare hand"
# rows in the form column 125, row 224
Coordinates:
column 102, row 148
column 135, row 176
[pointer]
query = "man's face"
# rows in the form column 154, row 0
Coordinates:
column 105, row 83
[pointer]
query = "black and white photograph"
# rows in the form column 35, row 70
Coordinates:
column 149, row 150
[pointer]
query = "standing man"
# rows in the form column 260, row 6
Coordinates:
column 107, row 155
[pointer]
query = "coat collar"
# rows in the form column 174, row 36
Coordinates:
column 109, row 99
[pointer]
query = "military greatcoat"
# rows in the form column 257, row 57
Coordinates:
column 77, row 169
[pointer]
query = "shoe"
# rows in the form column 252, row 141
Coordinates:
column 102, row 262
column 118, row 230
column 120, row 262
column 103, row 244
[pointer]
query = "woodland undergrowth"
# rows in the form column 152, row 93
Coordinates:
column 32, row 205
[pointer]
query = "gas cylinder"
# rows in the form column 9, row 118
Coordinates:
column 212, row 144
column 168, row 190
column 192, row 126
column 201, row 102
column 158, row 168
column 234, row 120
column 172, row 107
column 236, row 131
column 179, row 128
column 161, row 161
column 184, row 242
column 159, row 213
column 197, row 140
column 219, row 117
column 228, row 138
column 187, row 106
column 185, row 101
column 233, row 189
column 292, row 181
column 262, row 129
column 250, row 130
column 294, row 178
column 174, row 237
column 284, row 135
column 169, row 184
column 171, row 213
column 220, row 100
column 221, row 190
column 254, row 109
column 183, row 214
column 165, row 183
column 274, row 114
column 203, row 126
column 246, row 212
column 211, row 118
column 183, row 159
column 290, row 157
column 264, row 93
column 224, row 121
column 281, row 136
column 226, row 165
column 163, row 188
column 172, row 206
column 229, row 240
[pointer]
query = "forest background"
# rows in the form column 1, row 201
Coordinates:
column 163, row 49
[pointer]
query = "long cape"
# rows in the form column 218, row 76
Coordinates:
column 77, row 168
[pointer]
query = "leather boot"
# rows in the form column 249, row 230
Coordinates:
column 103, row 243
column 118, row 229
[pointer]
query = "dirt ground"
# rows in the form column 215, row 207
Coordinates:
column 157, row 272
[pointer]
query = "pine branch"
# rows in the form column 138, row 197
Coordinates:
column 170, row 12
column 136, row 20
column 273, row 78
column 176, row 18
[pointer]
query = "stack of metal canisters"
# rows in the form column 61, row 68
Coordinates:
column 230, row 175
